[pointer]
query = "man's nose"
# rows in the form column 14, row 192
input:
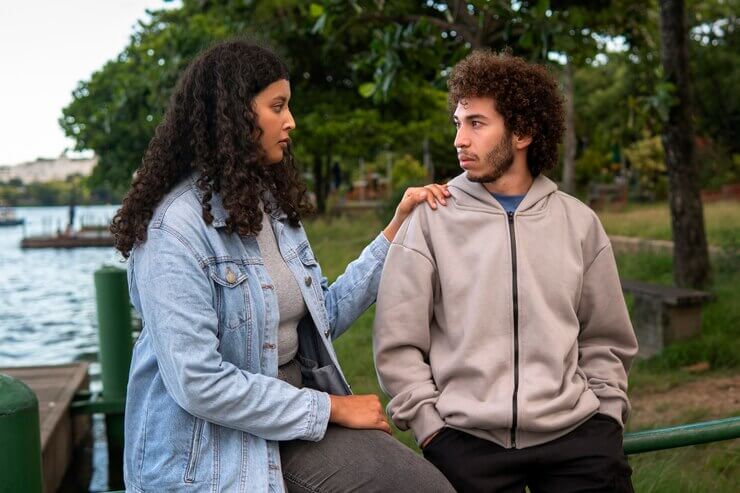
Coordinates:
column 461, row 140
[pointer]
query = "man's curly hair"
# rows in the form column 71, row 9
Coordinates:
column 209, row 126
column 525, row 94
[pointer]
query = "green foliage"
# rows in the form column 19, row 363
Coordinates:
column 407, row 170
column 716, row 165
column 370, row 76
column 593, row 165
column 647, row 162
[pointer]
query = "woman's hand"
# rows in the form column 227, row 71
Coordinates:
column 359, row 412
column 431, row 194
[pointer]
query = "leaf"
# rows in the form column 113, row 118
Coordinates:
column 367, row 89
column 316, row 10
column 526, row 40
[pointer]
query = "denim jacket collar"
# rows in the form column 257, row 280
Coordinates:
column 220, row 214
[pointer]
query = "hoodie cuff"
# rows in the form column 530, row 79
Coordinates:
column 426, row 423
column 318, row 419
column 615, row 408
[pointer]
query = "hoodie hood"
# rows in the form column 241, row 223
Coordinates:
column 474, row 195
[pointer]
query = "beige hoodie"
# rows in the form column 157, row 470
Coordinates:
column 510, row 327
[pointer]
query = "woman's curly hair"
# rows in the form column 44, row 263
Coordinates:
column 210, row 127
column 525, row 94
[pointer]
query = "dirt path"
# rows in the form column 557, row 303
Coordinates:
column 699, row 400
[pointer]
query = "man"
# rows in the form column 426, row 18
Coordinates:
column 501, row 331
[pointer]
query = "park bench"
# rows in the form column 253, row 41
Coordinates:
column 662, row 315
column 603, row 194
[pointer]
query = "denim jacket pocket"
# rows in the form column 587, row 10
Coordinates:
column 306, row 255
column 194, row 451
column 232, row 293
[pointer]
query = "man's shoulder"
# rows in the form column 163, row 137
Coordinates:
column 575, row 206
column 583, row 220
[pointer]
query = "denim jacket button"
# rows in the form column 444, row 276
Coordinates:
column 230, row 277
column 326, row 333
column 308, row 280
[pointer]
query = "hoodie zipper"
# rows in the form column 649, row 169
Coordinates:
column 515, row 298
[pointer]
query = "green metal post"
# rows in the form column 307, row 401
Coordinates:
column 114, row 332
column 20, row 438
column 682, row 436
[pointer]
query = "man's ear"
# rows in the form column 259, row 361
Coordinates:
column 521, row 142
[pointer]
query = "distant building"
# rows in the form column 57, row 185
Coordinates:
column 45, row 170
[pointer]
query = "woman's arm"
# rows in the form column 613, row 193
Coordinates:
column 357, row 288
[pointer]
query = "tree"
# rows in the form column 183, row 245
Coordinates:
column 690, row 255
column 116, row 111
column 568, row 32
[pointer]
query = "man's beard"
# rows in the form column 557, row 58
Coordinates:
column 497, row 162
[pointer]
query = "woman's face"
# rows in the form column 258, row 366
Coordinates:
column 274, row 118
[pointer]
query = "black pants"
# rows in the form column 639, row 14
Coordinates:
column 588, row 459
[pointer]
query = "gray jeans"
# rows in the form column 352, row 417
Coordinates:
column 357, row 460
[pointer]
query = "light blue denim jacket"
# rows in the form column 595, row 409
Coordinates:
column 204, row 411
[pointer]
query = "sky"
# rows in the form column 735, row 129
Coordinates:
column 46, row 48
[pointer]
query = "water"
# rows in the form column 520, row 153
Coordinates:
column 47, row 302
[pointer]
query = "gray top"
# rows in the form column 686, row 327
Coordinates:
column 291, row 306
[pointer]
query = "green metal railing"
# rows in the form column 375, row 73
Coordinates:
column 682, row 436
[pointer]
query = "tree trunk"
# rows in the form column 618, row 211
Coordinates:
column 690, row 256
column 427, row 160
column 569, row 143
column 318, row 183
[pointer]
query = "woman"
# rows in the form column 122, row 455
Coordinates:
column 234, row 379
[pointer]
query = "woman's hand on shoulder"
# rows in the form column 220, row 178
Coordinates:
column 431, row 194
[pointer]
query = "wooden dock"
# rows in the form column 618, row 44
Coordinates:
column 61, row 433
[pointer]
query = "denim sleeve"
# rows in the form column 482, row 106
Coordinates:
column 357, row 288
column 178, row 311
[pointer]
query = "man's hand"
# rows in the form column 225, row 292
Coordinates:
column 359, row 412
column 429, row 439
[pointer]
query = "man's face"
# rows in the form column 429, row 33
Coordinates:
column 484, row 145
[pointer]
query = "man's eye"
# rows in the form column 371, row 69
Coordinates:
column 475, row 123
column 456, row 124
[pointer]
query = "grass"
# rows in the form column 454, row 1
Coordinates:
column 713, row 467
column 653, row 221
column 720, row 341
